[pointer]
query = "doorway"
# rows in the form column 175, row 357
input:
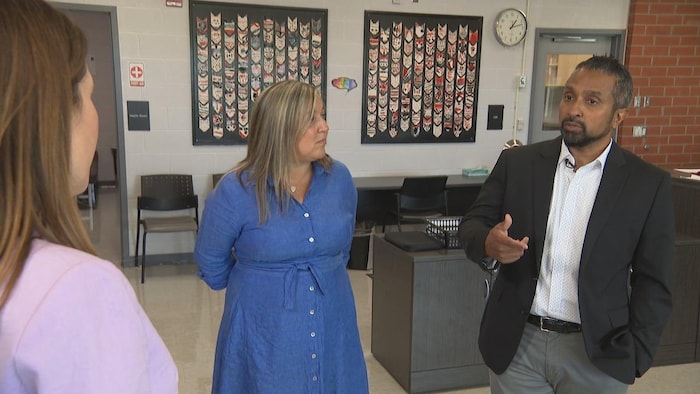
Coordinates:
column 557, row 52
column 100, row 26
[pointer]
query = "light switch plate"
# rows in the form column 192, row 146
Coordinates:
column 495, row 121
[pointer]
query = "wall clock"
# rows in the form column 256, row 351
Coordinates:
column 510, row 27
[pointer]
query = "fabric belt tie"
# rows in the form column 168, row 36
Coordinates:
column 318, row 267
column 547, row 324
column 290, row 282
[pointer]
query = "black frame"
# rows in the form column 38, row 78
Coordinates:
column 231, row 65
column 406, row 89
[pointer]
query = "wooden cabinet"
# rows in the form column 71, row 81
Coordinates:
column 686, row 204
column 426, row 312
column 697, row 342
column 679, row 342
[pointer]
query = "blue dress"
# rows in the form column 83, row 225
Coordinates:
column 289, row 323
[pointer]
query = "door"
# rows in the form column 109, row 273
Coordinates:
column 99, row 24
column 556, row 55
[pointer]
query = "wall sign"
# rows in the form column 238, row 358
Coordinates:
column 138, row 116
column 237, row 51
column 136, row 75
column 421, row 77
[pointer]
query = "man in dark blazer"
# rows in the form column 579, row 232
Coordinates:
column 583, row 234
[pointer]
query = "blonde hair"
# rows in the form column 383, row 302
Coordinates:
column 280, row 116
column 42, row 65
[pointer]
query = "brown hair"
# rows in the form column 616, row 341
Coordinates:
column 280, row 116
column 42, row 65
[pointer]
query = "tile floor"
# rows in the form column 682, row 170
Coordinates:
column 186, row 314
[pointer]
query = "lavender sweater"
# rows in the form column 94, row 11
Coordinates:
column 73, row 325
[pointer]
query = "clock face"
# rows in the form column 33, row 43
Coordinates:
column 510, row 27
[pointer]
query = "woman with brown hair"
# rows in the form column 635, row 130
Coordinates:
column 69, row 321
column 288, row 213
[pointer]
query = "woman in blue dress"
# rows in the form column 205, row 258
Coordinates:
column 276, row 234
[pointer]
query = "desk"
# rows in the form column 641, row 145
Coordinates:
column 394, row 183
column 375, row 195
column 426, row 312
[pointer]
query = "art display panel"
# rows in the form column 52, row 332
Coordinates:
column 420, row 78
column 237, row 51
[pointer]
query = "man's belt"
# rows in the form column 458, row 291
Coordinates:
column 548, row 324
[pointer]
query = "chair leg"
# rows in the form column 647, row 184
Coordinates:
column 143, row 258
column 447, row 213
column 398, row 219
column 91, row 195
column 136, row 253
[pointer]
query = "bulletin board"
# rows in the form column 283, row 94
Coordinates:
column 237, row 51
column 420, row 78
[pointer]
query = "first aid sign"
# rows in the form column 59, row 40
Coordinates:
column 136, row 74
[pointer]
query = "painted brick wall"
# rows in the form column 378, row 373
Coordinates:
column 663, row 56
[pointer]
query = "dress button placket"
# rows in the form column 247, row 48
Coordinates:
column 315, row 367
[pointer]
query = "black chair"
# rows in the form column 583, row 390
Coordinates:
column 88, row 198
column 165, row 192
column 114, row 162
column 420, row 198
column 215, row 178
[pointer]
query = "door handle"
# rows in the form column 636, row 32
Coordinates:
column 574, row 39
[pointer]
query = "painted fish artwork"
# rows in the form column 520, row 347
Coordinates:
column 344, row 83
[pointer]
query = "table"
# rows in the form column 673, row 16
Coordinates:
column 376, row 195
column 394, row 182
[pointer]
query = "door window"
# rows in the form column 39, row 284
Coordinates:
column 559, row 67
column 556, row 55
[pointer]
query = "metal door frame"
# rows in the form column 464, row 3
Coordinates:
column 121, row 158
column 574, row 38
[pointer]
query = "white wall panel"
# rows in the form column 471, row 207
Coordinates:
column 158, row 37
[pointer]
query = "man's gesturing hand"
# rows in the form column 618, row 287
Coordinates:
column 502, row 247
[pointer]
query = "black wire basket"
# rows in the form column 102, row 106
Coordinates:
column 444, row 229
